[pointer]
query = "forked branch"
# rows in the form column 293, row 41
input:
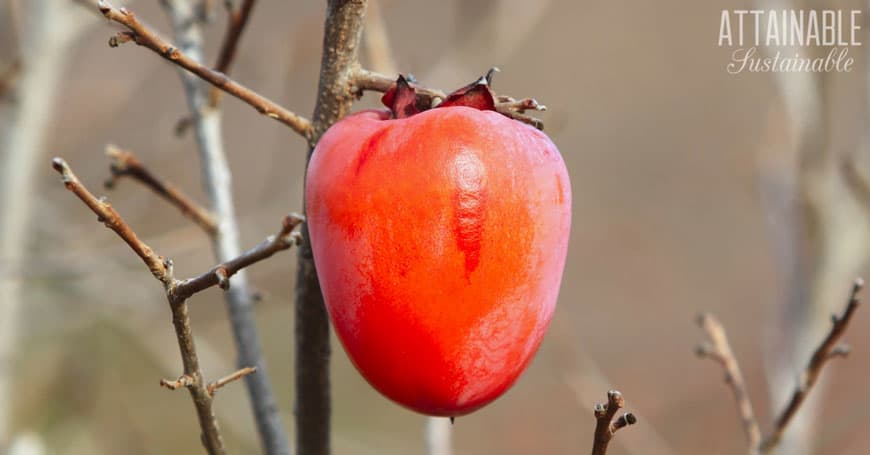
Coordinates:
column 605, row 424
column 719, row 350
column 177, row 293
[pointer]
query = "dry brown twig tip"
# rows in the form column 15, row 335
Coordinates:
column 605, row 424
column 829, row 348
column 182, row 381
column 212, row 387
column 126, row 164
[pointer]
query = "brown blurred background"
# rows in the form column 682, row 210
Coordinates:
column 666, row 153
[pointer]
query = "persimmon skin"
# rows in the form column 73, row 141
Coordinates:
column 439, row 241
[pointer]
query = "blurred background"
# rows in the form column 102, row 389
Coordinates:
column 694, row 190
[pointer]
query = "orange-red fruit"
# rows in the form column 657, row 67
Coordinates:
column 439, row 240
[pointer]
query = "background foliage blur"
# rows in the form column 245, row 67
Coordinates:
column 666, row 152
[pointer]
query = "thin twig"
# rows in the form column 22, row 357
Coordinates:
column 235, row 376
column 127, row 164
column 220, row 274
column 178, row 291
column 719, row 350
column 605, row 425
column 236, row 21
column 827, row 350
column 369, row 80
column 144, row 36
column 107, row 215
column 341, row 38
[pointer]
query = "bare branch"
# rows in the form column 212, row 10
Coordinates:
column 220, row 274
column 236, row 22
column 126, row 164
column 144, row 36
column 828, row 349
column 212, row 387
column 162, row 270
column 369, row 80
column 720, row 351
column 341, row 38
column 605, row 425
column 112, row 220
column 177, row 293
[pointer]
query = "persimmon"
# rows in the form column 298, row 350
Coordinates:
column 439, row 238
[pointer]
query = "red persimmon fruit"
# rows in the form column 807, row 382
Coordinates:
column 439, row 238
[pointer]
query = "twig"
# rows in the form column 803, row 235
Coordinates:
column 236, row 21
column 107, row 215
column 173, row 384
column 605, row 425
column 235, row 376
column 144, row 36
column 177, row 293
column 126, row 164
column 217, row 180
column 369, row 80
column 719, row 350
column 220, row 274
column 162, row 270
column 341, row 38
column 827, row 350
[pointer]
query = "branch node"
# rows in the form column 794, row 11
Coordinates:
column 182, row 381
column 223, row 279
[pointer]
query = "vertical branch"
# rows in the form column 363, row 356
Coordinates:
column 225, row 241
column 46, row 34
column 342, row 30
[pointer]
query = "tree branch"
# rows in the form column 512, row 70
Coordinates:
column 178, row 291
column 605, row 425
column 236, row 21
column 107, row 215
column 144, row 36
column 212, row 387
column 220, row 274
column 127, row 164
column 719, row 350
column 369, row 80
column 827, row 350
column 341, row 38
